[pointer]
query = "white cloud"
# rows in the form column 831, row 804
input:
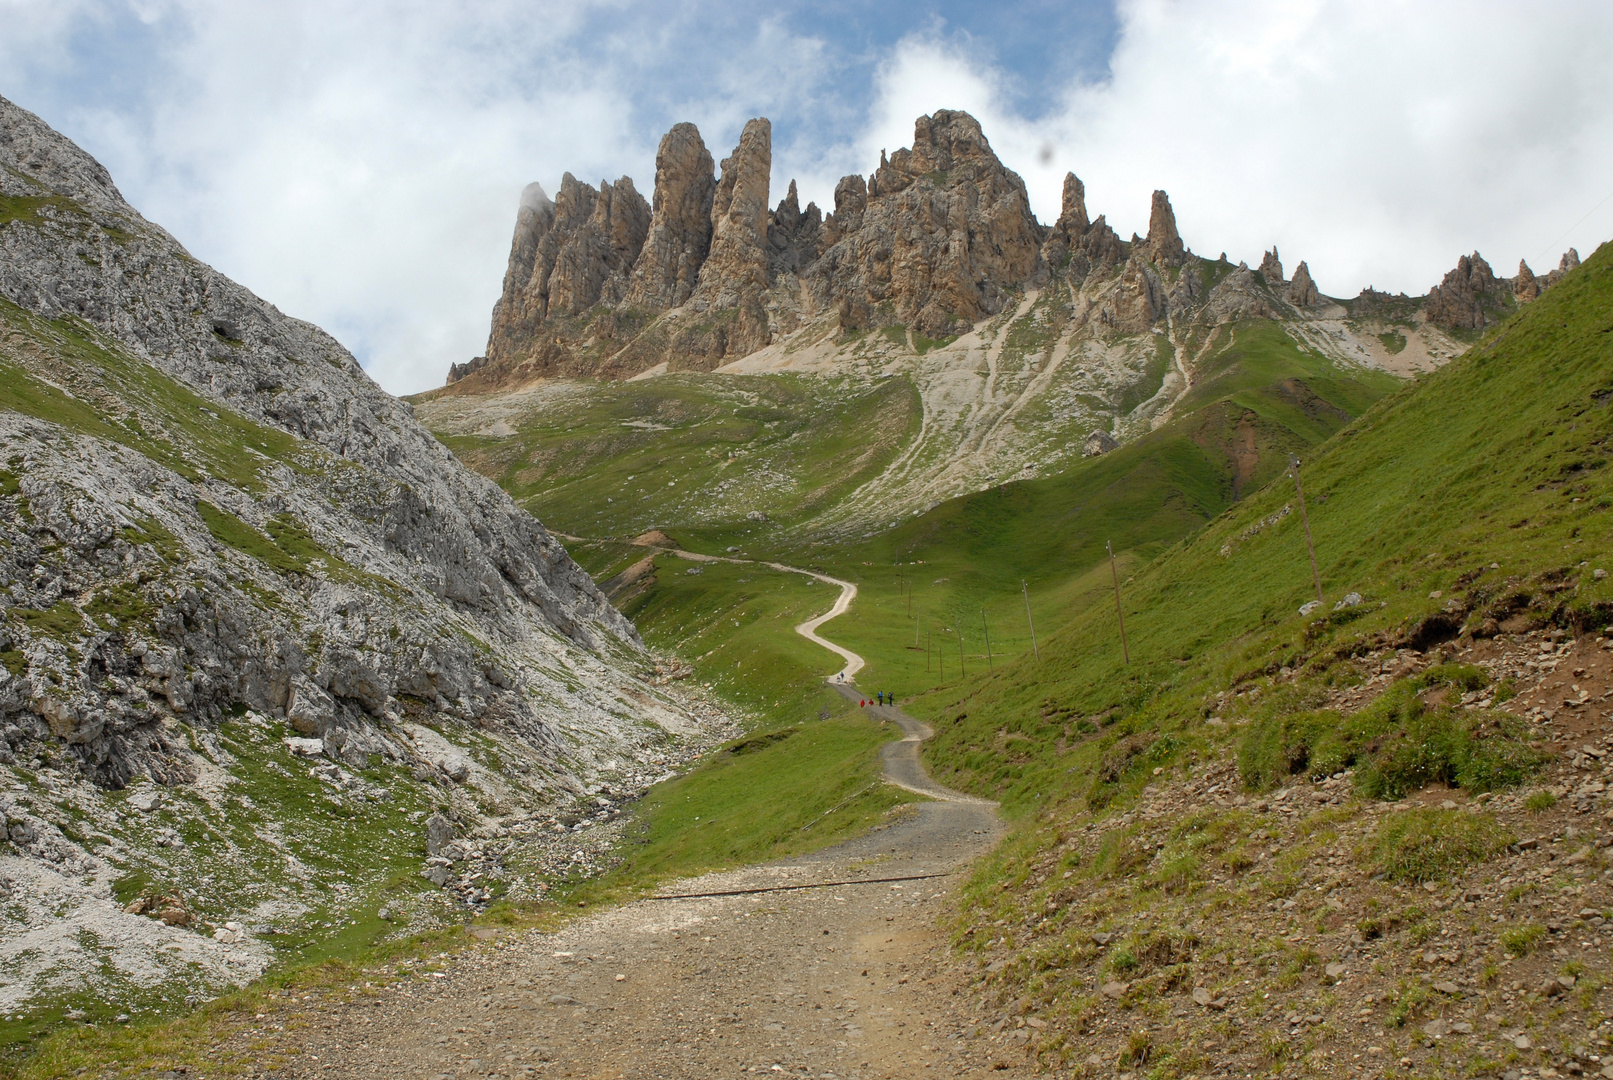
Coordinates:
column 1377, row 141
column 358, row 162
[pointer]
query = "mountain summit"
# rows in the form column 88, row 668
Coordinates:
column 937, row 238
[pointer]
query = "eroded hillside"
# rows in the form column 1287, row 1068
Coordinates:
column 259, row 629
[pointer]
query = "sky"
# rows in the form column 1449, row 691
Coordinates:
column 358, row 163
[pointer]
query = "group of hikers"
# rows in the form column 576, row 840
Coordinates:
column 882, row 698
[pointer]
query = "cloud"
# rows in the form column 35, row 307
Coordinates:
column 358, row 162
column 1377, row 141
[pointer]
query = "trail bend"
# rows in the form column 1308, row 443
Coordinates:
column 831, row 965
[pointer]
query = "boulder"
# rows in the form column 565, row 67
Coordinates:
column 1099, row 442
column 309, row 709
column 439, row 834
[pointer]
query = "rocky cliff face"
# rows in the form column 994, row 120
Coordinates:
column 212, row 521
column 939, row 237
column 936, row 240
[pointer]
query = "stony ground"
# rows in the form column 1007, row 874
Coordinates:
column 849, row 979
column 1206, row 931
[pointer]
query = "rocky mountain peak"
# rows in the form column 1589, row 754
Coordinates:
column 1569, row 261
column 1525, row 286
column 680, row 222
column 937, row 239
column 1271, row 267
column 1065, row 235
column 1464, row 299
column 1165, row 245
column 1302, row 290
column 735, row 271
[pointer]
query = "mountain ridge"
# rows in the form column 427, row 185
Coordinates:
column 936, row 239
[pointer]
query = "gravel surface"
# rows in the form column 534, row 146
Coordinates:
column 844, row 980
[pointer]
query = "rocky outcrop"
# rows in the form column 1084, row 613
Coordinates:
column 1469, row 298
column 680, row 224
column 726, row 311
column 793, row 236
column 1165, row 245
column 1569, row 261
column 1525, row 287
column 936, row 240
column 1065, row 236
column 1271, row 268
column 309, row 551
column 1302, row 290
column 567, row 256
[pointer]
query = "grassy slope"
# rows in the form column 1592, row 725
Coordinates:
column 1257, row 398
column 1498, row 458
column 695, row 452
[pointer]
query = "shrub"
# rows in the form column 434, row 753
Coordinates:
column 1522, row 940
column 1397, row 744
column 1539, row 800
column 1139, row 1048
column 1177, row 875
column 1423, row 845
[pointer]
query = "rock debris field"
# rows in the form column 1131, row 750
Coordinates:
column 843, row 980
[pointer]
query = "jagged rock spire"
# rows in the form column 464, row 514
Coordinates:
column 1271, row 267
column 736, row 268
column 1164, row 242
column 1525, row 286
column 680, row 223
column 1302, row 290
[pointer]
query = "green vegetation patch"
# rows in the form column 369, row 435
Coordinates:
column 231, row 531
column 1398, row 744
column 1431, row 845
column 61, row 621
column 770, row 795
column 155, row 415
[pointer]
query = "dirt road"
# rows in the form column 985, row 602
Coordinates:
column 823, row 966
column 846, row 980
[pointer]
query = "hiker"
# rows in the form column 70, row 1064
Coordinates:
column 882, row 697
column 890, row 699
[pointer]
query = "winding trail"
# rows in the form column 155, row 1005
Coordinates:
column 831, row 965
column 808, row 629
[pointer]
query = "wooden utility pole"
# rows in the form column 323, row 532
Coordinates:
column 1293, row 463
column 989, row 665
column 962, row 669
column 940, row 662
column 926, row 652
column 916, row 624
column 1028, row 619
column 1119, row 614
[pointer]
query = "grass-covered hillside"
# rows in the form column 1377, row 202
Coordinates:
column 699, row 453
column 1471, row 500
column 1257, row 397
column 1362, row 839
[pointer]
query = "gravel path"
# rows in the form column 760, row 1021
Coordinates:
column 831, row 965
column 849, row 980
